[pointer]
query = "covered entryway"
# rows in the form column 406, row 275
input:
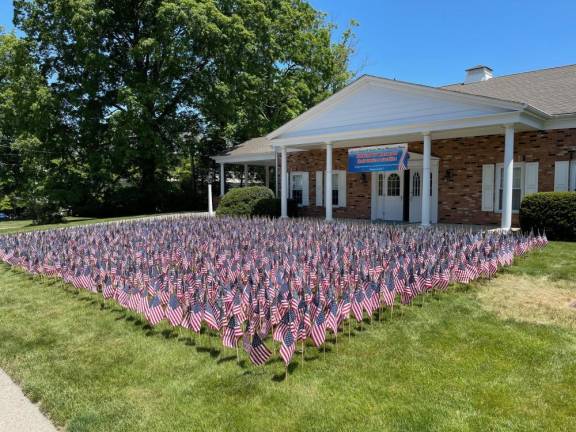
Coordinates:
column 397, row 196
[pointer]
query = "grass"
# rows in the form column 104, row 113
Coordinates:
column 455, row 363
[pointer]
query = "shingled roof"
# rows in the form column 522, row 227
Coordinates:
column 252, row 146
column 552, row 91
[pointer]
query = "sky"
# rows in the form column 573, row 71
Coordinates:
column 433, row 41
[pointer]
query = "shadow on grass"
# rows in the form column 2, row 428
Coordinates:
column 206, row 341
column 288, row 371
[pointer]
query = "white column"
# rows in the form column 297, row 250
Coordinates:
column 222, row 180
column 245, row 174
column 267, row 175
column 276, row 181
column 508, row 177
column 426, row 180
column 328, row 182
column 210, row 208
column 284, row 187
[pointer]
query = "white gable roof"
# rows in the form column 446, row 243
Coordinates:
column 372, row 103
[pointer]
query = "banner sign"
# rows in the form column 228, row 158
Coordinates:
column 392, row 157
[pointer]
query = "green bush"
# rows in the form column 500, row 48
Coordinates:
column 241, row 201
column 43, row 212
column 550, row 212
column 271, row 207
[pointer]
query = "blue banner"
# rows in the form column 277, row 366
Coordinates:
column 379, row 158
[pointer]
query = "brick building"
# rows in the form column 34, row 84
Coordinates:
column 483, row 145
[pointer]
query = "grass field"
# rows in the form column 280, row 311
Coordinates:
column 498, row 355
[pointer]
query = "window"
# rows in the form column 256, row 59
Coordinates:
column 338, row 188
column 393, row 185
column 380, row 184
column 416, row 184
column 297, row 188
column 516, row 188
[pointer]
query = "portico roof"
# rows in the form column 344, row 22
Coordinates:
column 379, row 108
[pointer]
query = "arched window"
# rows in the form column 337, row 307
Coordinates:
column 393, row 186
column 380, row 184
column 416, row 184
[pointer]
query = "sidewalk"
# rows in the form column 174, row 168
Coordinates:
column 17, row 413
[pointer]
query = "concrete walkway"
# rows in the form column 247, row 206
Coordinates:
column 17, row 413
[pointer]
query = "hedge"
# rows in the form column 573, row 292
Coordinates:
column 241, row 201
column 271, row 207
column 550, row 212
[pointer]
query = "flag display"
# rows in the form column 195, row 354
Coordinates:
column 253, row 280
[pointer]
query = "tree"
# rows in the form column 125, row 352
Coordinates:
column 129, row 79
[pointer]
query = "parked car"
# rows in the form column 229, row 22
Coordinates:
column 4, row 216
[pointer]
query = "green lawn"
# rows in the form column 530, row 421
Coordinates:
column 451, row 364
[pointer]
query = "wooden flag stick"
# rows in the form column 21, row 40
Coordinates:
column 336, row 340
column 286, row 372
column 302, row 353
column 237, row 352
column 349, row 327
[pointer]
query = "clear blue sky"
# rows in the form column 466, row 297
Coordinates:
column 433, row 41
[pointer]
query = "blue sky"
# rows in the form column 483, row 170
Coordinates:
column 433, row 41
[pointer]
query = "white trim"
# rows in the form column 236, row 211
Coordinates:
column 561, row 122
column 258, row 157
column 444, row 125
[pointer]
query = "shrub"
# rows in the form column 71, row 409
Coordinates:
column 44, row 213
column 271, row 207
column 241, row 201
column 552, row 212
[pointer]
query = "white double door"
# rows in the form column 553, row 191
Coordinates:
column 389, row 196
column 391, row 188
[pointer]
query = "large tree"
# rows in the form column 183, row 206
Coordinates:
column 141, row 85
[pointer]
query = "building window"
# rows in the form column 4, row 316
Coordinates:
column 297, row 189
column 416, row 184
column 335, row 189
column 380, row 184
column 393, row 185
column 516, row 188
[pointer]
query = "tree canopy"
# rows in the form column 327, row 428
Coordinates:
column 118, row 105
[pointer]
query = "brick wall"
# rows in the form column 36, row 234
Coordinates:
column 459, row 199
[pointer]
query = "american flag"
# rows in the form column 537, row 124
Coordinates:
column 297, row 277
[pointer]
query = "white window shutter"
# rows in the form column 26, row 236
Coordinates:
column 305, row 188
column 341, row 188
column 319, row 188
column 561, row 176
column 530, row 178
column 488, row 187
